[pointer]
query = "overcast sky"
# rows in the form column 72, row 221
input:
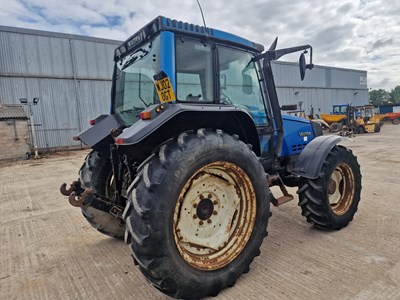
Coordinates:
column 355, row 34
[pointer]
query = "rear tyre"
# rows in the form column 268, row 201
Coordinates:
column 396, row 121
column 377, row 128
column 96, row 174
column 360, row 130
column 197, row 214
column 331, row 200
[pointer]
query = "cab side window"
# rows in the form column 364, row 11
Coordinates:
column 239, row 84
column 194, row 75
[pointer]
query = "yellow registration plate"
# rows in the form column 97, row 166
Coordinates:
column 164, row 90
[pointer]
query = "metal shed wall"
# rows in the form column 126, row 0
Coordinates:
column 322, row 87
column 71, row 75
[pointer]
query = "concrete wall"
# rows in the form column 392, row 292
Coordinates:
column 14, row 139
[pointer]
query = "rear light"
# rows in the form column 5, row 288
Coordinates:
column 120, row 141
column 76, row 138
column 145, row 115
column 92, row 122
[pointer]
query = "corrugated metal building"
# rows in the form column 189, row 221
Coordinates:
column 71, row 75
column 321, row 88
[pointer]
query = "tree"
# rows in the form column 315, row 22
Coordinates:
column 394, row 95
column 381, row 96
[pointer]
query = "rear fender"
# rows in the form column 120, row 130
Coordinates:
column 144, row 136
column 98, row 136
column 313, row 156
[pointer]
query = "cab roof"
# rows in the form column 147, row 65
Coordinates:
column 161, row 23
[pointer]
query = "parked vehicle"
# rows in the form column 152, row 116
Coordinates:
column 371, row 115
column 337, row 118
column 394, row 117
column 349, row 119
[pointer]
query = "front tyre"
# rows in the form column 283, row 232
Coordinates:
column 360, row 129
column 331, row 200
column 377, row 128
column 197, row 214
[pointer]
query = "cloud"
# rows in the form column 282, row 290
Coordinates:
column 360, row 35
column 381, row 43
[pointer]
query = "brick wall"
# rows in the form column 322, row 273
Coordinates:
column 10, row 147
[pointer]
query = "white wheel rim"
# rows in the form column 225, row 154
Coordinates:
column 214, row 215
column 337, row 178
column 341, row 189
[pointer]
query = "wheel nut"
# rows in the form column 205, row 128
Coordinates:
column 215, row 202
column 181, row 238
column 209, row 196
column 195, row 205
column 215, row 212
column 209, row 221
column 178, row 230
column 201, row 223
column 194, row 216
column 201, row 196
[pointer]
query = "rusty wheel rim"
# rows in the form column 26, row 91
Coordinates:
column 214, row 216
column 341, row 188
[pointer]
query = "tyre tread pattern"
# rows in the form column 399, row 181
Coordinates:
column 92, row 175
column 313, row 197
column 141, row 218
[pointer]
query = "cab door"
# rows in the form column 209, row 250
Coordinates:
column 239, row 85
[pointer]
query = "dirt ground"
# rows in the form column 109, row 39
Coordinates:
column 49, row 251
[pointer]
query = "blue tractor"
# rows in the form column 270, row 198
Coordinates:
column 183, row 164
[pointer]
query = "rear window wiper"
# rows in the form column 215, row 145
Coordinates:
column 132, row 110
column 135, row 58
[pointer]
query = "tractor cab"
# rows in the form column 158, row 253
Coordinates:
column 171, row 62
column 203, row 66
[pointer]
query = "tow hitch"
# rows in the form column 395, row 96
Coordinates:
column 80, row 197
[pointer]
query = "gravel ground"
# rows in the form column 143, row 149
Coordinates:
column 49, row 251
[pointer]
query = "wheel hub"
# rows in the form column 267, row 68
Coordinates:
column 205, row 209
column 331, row 186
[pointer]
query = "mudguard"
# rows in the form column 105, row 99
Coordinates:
column 311, row 159
column 171, row 119
column 98, row 136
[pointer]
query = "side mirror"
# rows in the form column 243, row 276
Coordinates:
column 289, row 107
column 247, row 84
column 302, row 66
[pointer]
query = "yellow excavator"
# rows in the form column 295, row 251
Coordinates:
column 351, row 118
